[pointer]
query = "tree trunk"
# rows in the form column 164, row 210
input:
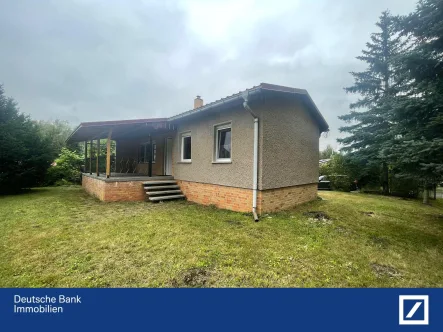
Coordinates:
column 385, row 178
column 435, row 191
column 426, row 194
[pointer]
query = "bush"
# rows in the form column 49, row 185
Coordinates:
column 65, row 169
column 403, row 187
column 340, row 182
column 340, row 171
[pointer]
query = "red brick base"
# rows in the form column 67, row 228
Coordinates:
column 240, row 199
column 114, row 191
column 230, row 198
column 285, row 198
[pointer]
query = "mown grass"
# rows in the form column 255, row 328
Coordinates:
column 61, row 237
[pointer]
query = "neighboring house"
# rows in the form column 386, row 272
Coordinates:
column 256, row 150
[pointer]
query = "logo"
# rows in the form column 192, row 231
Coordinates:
column 414, row 309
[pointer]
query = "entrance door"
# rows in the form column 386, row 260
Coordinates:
column 168, row 156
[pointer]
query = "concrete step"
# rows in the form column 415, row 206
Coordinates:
column 151, row 183
column 153, row 188
column 164, row 198
column 163, row 192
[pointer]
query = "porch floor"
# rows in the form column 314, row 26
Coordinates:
column 126, row 177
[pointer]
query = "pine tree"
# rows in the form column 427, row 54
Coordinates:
column 418, row 112
column 371, row 126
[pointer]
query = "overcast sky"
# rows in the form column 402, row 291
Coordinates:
column 90, row 60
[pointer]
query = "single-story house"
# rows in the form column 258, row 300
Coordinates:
column 254, row 151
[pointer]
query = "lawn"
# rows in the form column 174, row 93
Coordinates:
column 61, row 237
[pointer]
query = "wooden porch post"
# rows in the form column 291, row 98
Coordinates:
column 150, row 156
column 98, row 157
column 86, row 155
column 108, row 154
column 90, row 157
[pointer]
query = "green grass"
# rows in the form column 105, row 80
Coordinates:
column 61, row 237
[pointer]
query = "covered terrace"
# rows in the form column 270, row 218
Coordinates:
column 126, row 149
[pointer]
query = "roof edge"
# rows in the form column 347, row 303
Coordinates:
column 256, row 89
column 113, row 123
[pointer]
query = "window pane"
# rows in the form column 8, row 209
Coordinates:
column 142, row 158
column 224, row 143
column 187, row 147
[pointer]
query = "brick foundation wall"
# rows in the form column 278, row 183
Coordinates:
column 273, row 200
column 230, row 198
column 114, row 191
column 239, row 199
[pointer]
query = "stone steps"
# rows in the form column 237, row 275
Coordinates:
column 153, row 188
column 162, row 190
column 165, row 198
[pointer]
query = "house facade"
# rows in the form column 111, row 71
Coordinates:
column 255, row 151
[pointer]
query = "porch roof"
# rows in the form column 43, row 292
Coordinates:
column 120, row 129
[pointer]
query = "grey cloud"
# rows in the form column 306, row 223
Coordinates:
column 100, row 60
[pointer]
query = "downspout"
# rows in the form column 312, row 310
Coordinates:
column 255, row 158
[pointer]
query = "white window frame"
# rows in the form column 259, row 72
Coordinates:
column 217, row 128
column 182, row 138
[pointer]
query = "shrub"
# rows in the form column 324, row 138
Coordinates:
column 340, row 182
column 65, row 169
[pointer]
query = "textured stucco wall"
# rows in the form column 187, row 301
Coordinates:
column 202, row 169
column 289, row 145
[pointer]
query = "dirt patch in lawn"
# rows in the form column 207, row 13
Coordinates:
column 194, row 277
column 318, row 217
column 385, row 271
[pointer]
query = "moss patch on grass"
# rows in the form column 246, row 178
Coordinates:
column 61, row 237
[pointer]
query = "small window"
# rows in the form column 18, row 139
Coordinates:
column 186, row 147
column 223, row 142
column 144, row 152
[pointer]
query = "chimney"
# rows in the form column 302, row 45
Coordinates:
column 198, row 102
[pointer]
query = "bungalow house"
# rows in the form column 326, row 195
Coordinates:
column 254, row 151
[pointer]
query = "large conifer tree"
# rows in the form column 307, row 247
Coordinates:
column 418, row 113
column 24, row 156
column 370, row 120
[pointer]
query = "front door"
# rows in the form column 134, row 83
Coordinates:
column 168, row 156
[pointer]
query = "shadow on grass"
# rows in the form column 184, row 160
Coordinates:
column 26, row 191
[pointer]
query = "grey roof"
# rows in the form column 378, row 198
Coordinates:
column 88, row 130
column 301, row 93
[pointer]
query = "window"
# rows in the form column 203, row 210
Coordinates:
column 186, row 147
column 144, row 152
column 223, row 143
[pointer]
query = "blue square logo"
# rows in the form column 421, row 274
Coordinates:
column 414, row 310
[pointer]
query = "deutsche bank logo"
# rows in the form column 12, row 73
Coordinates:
column 414, row 309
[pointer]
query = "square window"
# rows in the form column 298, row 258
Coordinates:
column 186, row 143
column 223, row 143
